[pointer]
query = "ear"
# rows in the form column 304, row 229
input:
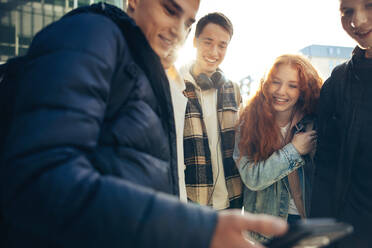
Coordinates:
column 132, row 5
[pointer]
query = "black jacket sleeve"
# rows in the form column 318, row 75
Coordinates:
column 328, row 147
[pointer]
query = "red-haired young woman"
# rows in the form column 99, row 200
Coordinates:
column 276, row 138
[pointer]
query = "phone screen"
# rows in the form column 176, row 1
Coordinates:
column 312, row 233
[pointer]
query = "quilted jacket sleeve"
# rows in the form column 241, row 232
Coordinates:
column 49, row 189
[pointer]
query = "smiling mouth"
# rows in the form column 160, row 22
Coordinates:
column 363, row 34
column 280, row 100
column 166, row 42
column 212, row 61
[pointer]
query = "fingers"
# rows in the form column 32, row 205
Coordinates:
column 232, row 227
column 313, row 138
column 309, row 136
column 264, row 224
column 313, row 135
column 253, row 244
column 250, row 241
column 231, row 231
column 311, row 132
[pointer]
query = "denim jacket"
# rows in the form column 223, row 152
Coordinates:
column 266, row 183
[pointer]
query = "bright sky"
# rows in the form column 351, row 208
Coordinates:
column 265, row 29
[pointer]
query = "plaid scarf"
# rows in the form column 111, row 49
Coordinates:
column 198, row 173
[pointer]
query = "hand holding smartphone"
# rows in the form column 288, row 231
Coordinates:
column 311, row 233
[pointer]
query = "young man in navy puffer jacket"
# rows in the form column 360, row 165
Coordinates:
column 90, row 159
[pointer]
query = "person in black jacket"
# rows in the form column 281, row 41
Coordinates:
column 343, row 185
column 90, row 158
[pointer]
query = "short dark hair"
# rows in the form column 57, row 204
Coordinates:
column 215, row 18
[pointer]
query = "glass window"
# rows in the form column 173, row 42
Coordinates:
column 118, row 3
column 48, row 19
column 6, row 51
column 38, row 22
column 25, row 21
column 83, row 2
column 331, row 65
column 27, row 17
column 7, row 31
column 60, row 2
column 22, row 51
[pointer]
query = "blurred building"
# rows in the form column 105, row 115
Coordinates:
column 245, row 87
column 326, row 58
column 20, row 20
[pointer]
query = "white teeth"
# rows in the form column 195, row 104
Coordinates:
column 363, row 33
column 211, row 60
column 167, row 41
column 280, row 100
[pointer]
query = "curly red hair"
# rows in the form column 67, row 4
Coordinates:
column 259, row 133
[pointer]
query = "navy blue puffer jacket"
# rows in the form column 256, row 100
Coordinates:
column 91, row 150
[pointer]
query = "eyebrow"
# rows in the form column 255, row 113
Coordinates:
column 178, row 8
column 210, row 39
column 344, row 6
column 291, row 81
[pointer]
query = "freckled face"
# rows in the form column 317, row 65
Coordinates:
column 284, row 89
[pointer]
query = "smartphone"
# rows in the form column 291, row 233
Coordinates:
column 311, row 233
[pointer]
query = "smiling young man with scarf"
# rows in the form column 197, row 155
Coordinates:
column 211, row 175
